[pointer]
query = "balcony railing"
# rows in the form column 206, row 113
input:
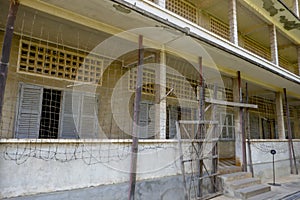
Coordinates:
column 191, row 12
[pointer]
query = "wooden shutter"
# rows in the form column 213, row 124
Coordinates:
column 146, row 120
column 70, row 115
column 88, row 118
column 173, row 117
column 29, row 111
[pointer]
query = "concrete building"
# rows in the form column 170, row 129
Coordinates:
column 68, row 114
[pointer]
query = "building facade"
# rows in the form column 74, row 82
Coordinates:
column 68, row 115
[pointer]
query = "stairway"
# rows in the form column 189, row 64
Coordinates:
column 241, row 185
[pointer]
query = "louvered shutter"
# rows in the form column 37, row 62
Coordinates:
column 29, row 111
column 146, row 120
column 173, row 117
column 88, row 118
column 70, row 115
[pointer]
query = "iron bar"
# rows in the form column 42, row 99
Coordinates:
column 248, row 133
column 290, row 142
column 6, row 47
column 244, row 158
column 200, row 126
column 135, row 129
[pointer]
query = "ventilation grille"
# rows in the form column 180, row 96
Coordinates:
column 219, row 28
column 59, row 62
column 180, row 86
column 182, row 8
column 148, row 80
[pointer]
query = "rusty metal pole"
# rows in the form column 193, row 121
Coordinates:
column 135, row 130
column 6, row 47
column 248, row 133
column 244, row 165
column 200, row 126
column 291, row 146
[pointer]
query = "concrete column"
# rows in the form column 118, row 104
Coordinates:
column 280, row 115
column 296, row 8
column 237, row 123
column 160, row 97
column 298, row 50
column 161, row 3
column 233, row 28
column 273, row 42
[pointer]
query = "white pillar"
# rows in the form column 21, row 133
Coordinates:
column 273, row 42
column 296, row 8
column 161, row 3
column 160, row 98
column 233, row 28
column 280, row 115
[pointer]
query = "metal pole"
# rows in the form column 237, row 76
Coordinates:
column 6, row 47
column 201, row 126
column 135, row 129
column 291, row 147
column 244, row 165
column 248, row 133
column 273, row 169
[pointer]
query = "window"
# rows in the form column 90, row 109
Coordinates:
column 227, row 127
column 147, row 120
column 51, row 113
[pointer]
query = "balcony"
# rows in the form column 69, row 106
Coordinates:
column 253, row 30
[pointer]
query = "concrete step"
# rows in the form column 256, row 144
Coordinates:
column 232, row 186
column 238, row 184
column 246, row 193
column 265, row 196
column 229, row 169
column 235, row 176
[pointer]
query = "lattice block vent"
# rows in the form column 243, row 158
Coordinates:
column 183, row 88
column 219, row 28
column 182, row 8
column 148, row 80
column 59, row 62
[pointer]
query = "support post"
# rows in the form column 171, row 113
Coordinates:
column 233, row 28
column 296, row 8
column 280, row 115
column 298, row 54
column 291, row 146
column 200, row 133
column 135, row 130
column 248, row 133
column 161, row 3
column 6, row 47
column 244, row 164
column 273, row 42
column 160, row 96
column 215, row 144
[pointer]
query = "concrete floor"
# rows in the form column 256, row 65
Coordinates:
column 289, row 189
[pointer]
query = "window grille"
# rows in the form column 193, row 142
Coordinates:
column 59, row 62
column 182, row 87
column 182, row 8
column 148, row 80
column 219, row 28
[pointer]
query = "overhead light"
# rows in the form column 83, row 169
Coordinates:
column 121, row 9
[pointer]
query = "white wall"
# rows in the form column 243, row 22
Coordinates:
column 37, row 167
column 262, row 158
